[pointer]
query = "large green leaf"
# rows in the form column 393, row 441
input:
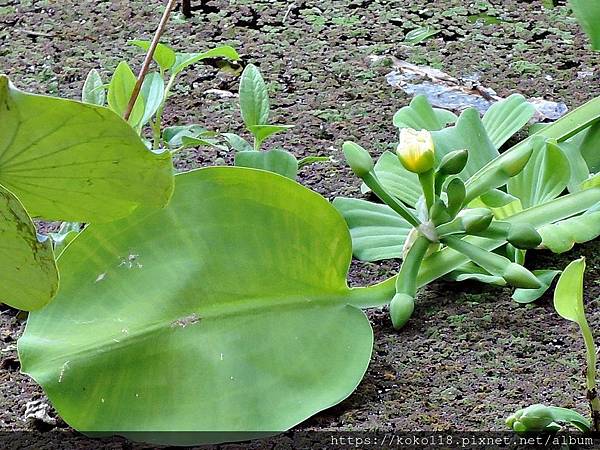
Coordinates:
column 28, row 279
column 544, row 177
column 506, row 117
column 396, row 179
column 377, row 231
column 76, row 162
column 421, row 115
column 228, row 310
column 468, row 133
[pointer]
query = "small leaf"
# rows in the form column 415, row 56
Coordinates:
column 421, row 115
column 184, row 60
column 93, row 89
column 311, row 160
column 530, row 295
column 153, row 90
column 164, row 55
column 420, row 34
column 254, row 98
column 189, row 141
column 261, row 132
column 506, row 117
column 277, row 161
column 238, row 143
column 377, row 231
column 568, row 295
column 173, row 135
column 29, row 278
column 119, row 93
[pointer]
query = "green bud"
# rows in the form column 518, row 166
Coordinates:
column 454, row 162
column 358, row 159
column 518, row 276
column 523, row 236
column 401, row 308
column 475, row 220
column 514, row 162
column 456, row 195
column 533, row 418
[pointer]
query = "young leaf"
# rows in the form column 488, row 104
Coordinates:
column 544, row 177
column 120, row 90
column 76, row 162
column 164, row 55
column 377, row 231
column 254, row 99
column 93, row 89
column 506, row 117
column 173, row 135
column 261, row 132
column 307, row 160
column 28, row 279
column 277, row 161
column 184, row 60
column 245, row 312
column 420, row 115
column 568, row 295
column 238, row 143
column 153, row 90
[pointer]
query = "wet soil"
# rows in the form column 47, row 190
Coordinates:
column 470, row 356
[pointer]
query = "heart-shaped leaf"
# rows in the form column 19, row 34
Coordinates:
column 77, row 162
column 28, row 279
column 227, row 310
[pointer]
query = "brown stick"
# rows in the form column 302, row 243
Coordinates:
column 186, row 8
column 148, row 59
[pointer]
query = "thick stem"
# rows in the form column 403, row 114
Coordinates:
column 427, row 184
column 406, row 282
column 592, row 393
column 148, row 59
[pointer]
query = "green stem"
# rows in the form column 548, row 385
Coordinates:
column 371, row 180
column 406, row 281
column 592, row 393
column 427, row 184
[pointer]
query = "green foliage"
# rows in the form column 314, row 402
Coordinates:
column 420, row 34
column 65, row 160
column 242, row 307
column 254, row 98
column 508, row 202
column 29, row 278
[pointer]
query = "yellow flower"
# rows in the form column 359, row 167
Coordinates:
column 415, row 150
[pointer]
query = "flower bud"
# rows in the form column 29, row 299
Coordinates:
column 475, row 220
column 401, row 308
column 358, row 159
column 454, row 162
column 518, row 276
column 523, row 236
column 415, row 150
column 533, row 418
column 456, row 195
column 514, row 162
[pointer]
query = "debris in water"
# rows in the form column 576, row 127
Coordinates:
column 187, row 320
column 445, row 91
